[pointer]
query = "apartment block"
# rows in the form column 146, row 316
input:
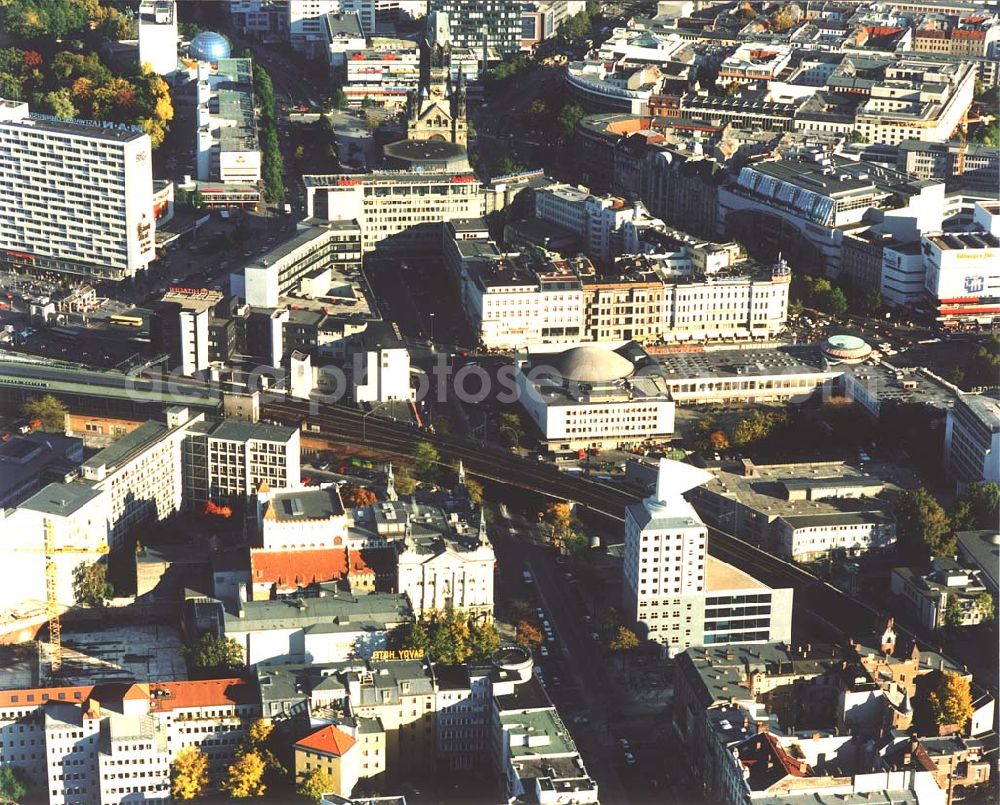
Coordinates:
column 482, row 25
column 396, row 210
column 801, row 512
column 78, row 196
column 113, row 743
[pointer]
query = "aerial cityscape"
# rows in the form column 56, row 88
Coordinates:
column 541, row 402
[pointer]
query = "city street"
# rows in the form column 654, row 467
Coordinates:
column 576, row 672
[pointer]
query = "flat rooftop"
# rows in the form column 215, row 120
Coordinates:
column 335, row 180
column 61, row 498
column 310, row 504
column 129, row 446
column 542, row 728
column 332, row 612
column 55, row 377
column 766, row 491
column 791, row 360
column 721, row 576
column 75, row 128
column 888, row 382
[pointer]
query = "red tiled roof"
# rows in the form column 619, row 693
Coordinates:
column 35, row 697
column 199, row 693
column 358, row 565
column 297, row 568
column 329, row 740
column 136, row 692
column 162, row 695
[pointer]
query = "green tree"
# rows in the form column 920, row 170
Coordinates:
column 977, row 508
column 245, row 776
column 484, row 639
column 987, row 606
column 511, row 430
column 755, row 427
column 210, row 653
column 90, row 584
column 313, row 784
column 954, row 615
column 951, row 700
column 624, row 640
column 49, row 410
column 338, row 100
column 404, row 482
column 189, row 773
column 922, row 525
column 451, row 636
column 569, row 116
column 60, row 104
column 426, row 462
column 35, row 19
column 836, row 303
column 610, row 623
column 12, row 785
column 988, row 134
column 475, row 490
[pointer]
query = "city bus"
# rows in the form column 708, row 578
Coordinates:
column 133, row 322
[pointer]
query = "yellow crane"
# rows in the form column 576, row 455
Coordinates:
column 50, row 551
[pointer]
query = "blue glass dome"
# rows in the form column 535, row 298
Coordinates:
column 210, row 46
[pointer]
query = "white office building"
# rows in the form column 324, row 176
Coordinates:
column 963, row 270
column 344, row 33
column 193, row 311
column 158, row 35
column 972, row 440
column 77, row 196
column 384, row 364
column 395, row 209
column 78, row 520
column 903, row 274
column 307, row 24
column 586, row 395
column 679, row 595
column 598, row 220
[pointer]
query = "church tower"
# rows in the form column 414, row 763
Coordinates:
column 437, row 110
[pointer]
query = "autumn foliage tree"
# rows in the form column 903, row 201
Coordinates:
column 245, row 776
column 528, row 636
column 951, row 700
column 559, row 520
column 624, row 640
column 213, row 509
column 189, row 773
column 357, row 496
column 313, row 784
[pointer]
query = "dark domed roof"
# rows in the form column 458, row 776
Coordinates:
column 592, row 364
column 210, row 46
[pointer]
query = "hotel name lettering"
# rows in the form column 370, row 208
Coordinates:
column 401, row 654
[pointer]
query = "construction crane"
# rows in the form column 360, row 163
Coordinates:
column 50, row 550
